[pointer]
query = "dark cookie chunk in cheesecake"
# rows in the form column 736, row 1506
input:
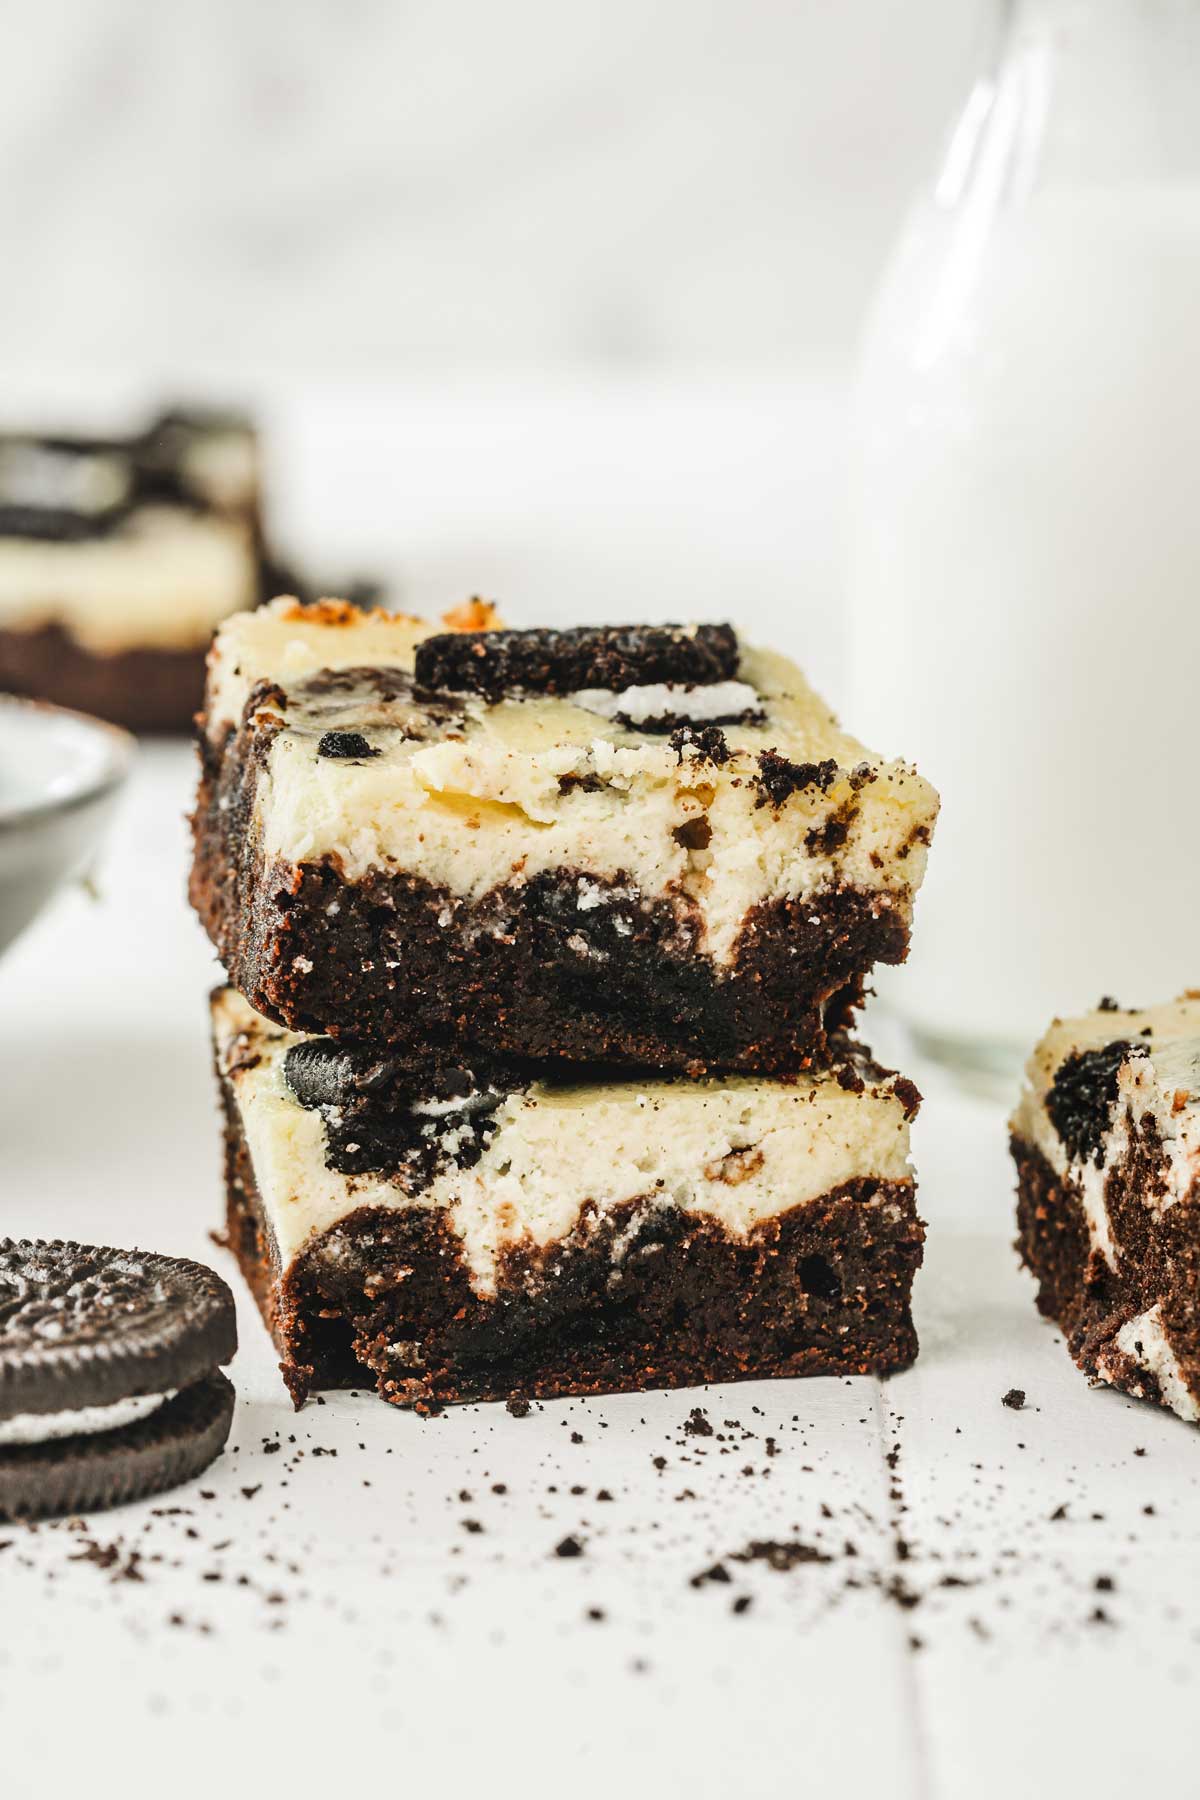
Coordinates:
column 1082, row 1096
column 614, row 657
column 378, row 1119
column 701, row 743
column 349, row 746
column 779, row 778
column 110, row 1383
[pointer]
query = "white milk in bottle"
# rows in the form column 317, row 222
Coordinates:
column 1026, row 574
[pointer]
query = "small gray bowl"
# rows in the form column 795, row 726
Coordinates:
column 60, row 774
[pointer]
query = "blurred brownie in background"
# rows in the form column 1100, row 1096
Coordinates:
column 119, row 557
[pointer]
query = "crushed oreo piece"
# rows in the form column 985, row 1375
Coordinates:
column 780, row 1555
column 908, row 1094
column 828, row 838
column 495, row 663
column 778, row 778
column 376, row 1120
column 701, row 743
column 1082, row 1097
column 1014, row 1399
column 350, row 746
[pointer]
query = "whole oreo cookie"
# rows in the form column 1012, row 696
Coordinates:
column 495, row 663
column 110, row 1382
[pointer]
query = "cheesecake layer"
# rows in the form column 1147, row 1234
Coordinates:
column 486, row 1230
column 1106, row 1138
column 695, row 848
column 138, row 543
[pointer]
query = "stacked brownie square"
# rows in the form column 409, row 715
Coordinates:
column 544, row 946
column 119, row 556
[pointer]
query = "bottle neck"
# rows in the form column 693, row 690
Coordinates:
column 1094, row 35
column 1088, row 91
column 1097, row 17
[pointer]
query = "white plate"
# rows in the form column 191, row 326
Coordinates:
column 60, row 773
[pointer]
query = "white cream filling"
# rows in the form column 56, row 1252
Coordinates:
column 1144, row 1340
column 165, row 580
column 656, row 700
column 83, row 1421
column 735, row 1150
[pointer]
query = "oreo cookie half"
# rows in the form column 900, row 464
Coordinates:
column 110, row 1382
column 544, row 661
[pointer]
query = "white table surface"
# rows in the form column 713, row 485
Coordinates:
column 344, row 1616
column 308, row 1619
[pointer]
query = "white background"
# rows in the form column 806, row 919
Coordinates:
column 382, row 185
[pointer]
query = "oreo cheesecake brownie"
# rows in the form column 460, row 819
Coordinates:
column 485, row 1231
column 651, row 844
column 1106, row 1140
column 118, row 557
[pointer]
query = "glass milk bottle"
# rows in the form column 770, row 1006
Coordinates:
column 1026, row 529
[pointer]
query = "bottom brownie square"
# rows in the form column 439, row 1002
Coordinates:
column 486, row 1233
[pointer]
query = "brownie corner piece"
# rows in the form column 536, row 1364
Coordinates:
column 488, row 1231
column 416, row 835
column 1106, row 1144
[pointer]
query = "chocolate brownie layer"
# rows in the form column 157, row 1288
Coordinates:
column 145, row 690
column 484, row 1233
column 823, row 1290
column 524, row 973
column 1106, row 1142
column 540, row 875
